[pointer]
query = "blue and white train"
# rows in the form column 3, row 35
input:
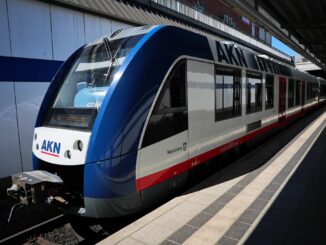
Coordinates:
column 127, row 117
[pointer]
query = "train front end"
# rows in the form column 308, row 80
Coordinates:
column 79, row 127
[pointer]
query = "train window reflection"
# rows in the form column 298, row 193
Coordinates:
column 254, row 92
column 88, row 80
column 297, row 92
column 227, row 93
column 291, row 91
column 170, row 115
column 269, row 95
column 86, row 84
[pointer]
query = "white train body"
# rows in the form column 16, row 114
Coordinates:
column 176, row 100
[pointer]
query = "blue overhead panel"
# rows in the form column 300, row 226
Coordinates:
column 24, row 69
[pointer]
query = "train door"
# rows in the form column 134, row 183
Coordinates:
column 282, row 98
column 164, row 148
column 201, row 106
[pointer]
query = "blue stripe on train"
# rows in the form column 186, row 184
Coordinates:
column 121, row 118
column 28, row 70
column 112, row 153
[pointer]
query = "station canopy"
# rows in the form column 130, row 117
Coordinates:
column 306, row 20
column 301, row 24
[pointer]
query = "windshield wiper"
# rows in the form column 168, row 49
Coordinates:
column 117, row 52
column 107, row 46
column 111, row 58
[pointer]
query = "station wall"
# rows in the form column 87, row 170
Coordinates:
column 35, row 38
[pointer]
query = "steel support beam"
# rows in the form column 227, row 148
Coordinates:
column 245, row 7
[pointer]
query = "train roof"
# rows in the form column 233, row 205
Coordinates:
column 257, row 61
column 127, row 32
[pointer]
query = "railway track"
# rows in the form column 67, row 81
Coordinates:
column 44, row 223
column 25, row 220
column 28, row 230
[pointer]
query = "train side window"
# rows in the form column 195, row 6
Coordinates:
column 254, row 92
column 291, row 93
column 303, row 92
column 297, row 92
column 170, row 113
column 316, row 91
column 312, row 91
column 308, row 91
column 227, row 93
column 269, row 95
column 322, row 90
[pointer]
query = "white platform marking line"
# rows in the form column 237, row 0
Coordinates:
column 276, row 194
column 216, row 227
column 172, row 205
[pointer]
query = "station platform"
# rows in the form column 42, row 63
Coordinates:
column 258, row 199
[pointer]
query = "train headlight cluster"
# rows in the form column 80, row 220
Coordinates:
column 68, row 154
column 78, row 145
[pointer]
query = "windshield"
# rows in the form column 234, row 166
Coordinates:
column 86, row 84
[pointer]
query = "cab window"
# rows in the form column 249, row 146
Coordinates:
column 170, row 115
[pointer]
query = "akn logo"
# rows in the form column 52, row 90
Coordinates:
column 51, row 148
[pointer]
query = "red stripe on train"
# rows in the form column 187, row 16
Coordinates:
column 158, row 177
column 51, row 154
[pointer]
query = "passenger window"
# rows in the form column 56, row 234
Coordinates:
column 312, row 91
column 291, row 93
column 227, row 93
column 170, row 114
column 269, row 95
column 166, row 101
column 303, row 91
column 315, row 91
column 309, row 91
column 254, row 92
column 322, row 90
column 297, row 92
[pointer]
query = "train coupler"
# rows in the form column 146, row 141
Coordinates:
column 34, row 186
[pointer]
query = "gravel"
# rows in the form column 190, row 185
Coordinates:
column 62, row 235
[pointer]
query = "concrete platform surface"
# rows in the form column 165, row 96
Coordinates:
column 280, row 201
